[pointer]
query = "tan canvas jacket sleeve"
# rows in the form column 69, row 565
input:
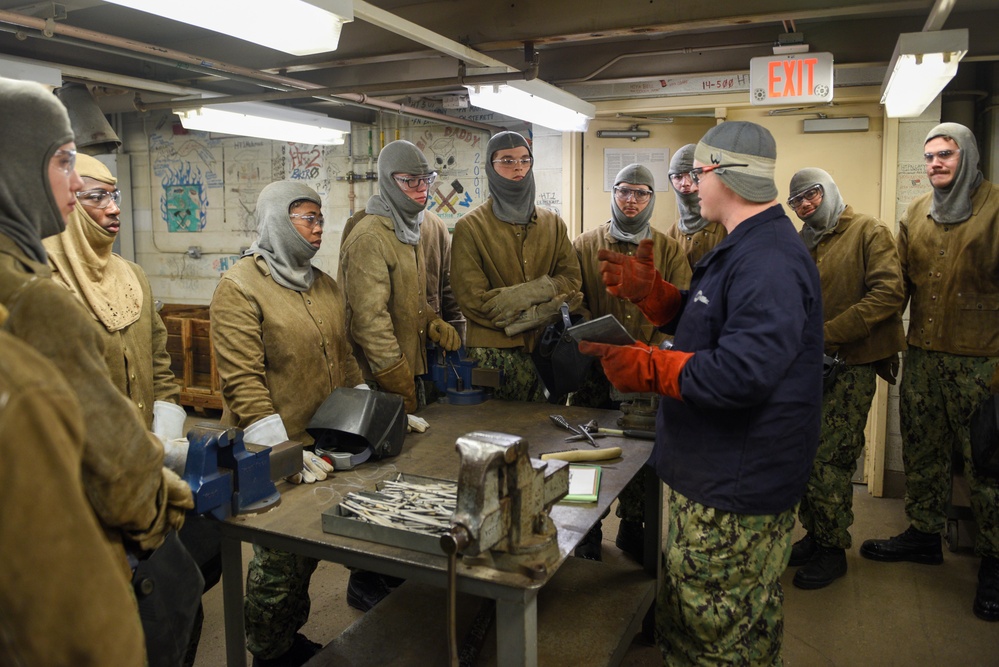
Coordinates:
column 862, row 289
column 487, row 253
column 385, row 282
column 699, row 243
column 66, row 592
column 122, row 462
column 669, row 259
column 435, row 239
column 952, row 276
column 278, row 350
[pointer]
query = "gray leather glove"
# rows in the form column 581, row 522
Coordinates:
column 506, row 303
column 542, row 314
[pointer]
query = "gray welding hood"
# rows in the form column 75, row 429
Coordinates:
column 364, row 424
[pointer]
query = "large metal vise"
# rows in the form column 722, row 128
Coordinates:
column 228, row 477
column 501, row 519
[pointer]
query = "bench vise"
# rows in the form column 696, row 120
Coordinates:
column 229, row 477
column 501, row 519
column 458, row 377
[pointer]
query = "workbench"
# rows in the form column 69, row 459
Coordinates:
column 295, row 525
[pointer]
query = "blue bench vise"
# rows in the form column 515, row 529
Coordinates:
column 458, row 377
column 227, row 477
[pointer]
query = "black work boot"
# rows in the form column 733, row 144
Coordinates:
column 590, row 548
column 301, row 650
column 825, row 566
column 366, row 589
column 912, row 545
column 986, row 605
column 631, row 539
column 802, row 551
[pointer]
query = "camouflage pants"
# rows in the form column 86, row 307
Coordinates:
column 937, row 396
column 520, row 379
column 826, row 510
column 277, row 600
column 721, row 602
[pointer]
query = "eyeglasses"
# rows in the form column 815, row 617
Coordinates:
column 67, row 159
column 681, row 177
column 624, row 194
column 697, row 172
column 511, row 162
column 811, row 194
column 414, row 182
column 99, row 198
column 943, row 156
column 310, row 219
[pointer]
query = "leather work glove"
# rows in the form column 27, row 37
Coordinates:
column 418, row 424
column 314, row 468
column 640, row 368
column 508, row 302
column 636, row 279
column 168, row 420
column 398, row 379
column 542, row 314
column 178, row 499
column 271, row 431
column 175, row 454
column 444, row 334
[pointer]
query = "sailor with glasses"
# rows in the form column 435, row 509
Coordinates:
column 512, row 267
column 633, row 200
column 948, row 242
column 862, row 295
column 695, row 234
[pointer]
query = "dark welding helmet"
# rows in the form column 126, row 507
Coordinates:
column 359, row 423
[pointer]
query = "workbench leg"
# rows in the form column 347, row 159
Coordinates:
column 517, row 632
column 232, row 602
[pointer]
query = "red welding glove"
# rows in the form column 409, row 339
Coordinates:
column 636, row 279
column 640, row 368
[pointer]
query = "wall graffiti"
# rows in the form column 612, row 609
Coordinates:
column 184, row 203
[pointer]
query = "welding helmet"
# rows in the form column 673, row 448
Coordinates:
column 359, row 423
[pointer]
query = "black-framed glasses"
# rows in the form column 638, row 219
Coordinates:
column 943, row 156
column 99, row 198
column 680, row 177
column 511, row 162
column 810, row 195
column 414, row 182
column 624, row 194
column 697, row 172
column 66, row 158
column 310, row 219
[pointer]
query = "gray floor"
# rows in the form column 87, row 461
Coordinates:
column 879, row 614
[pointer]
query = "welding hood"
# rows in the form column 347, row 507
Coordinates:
column 364, row 424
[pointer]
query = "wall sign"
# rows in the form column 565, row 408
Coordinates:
column 791, row 79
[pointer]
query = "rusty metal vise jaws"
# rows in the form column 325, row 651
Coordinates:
column 501, row 518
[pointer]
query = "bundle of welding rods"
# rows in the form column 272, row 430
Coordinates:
column 421, row 508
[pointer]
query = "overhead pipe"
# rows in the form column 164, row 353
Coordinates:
column 50, row 28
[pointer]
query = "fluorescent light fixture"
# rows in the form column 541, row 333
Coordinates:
column 12, row 67
column 633, row 133
column 535, row 102
column 293, row 26
column 852, row 124
column 265, row 121
column 923, row 63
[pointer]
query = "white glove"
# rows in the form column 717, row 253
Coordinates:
column 268, row 431
column 418, row 424
column 168, row 419
column 363, row 386
column 175, row 454
column 314, row 468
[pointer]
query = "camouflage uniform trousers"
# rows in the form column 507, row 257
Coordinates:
column 520, row 379
column 939, row 391
column 721, row 602
column 826, row 510
column 277, row 600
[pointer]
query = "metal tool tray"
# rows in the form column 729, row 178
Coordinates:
column 340, row 522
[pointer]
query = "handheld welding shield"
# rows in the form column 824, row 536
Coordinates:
column 354, row 425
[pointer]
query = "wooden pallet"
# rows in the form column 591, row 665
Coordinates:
column 192, row 358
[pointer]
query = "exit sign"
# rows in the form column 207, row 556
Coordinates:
column 791, row 79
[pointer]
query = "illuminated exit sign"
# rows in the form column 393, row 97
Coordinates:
column 791, row 79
